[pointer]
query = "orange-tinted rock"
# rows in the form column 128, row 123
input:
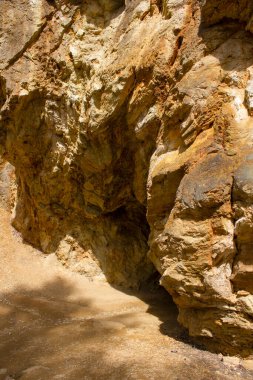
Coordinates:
column 130, row 128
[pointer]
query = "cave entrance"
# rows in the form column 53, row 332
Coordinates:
column 132, row 222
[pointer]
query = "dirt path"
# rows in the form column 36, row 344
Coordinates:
column 58, row 325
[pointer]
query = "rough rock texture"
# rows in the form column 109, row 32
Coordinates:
column 7, row 185
column 113, row 110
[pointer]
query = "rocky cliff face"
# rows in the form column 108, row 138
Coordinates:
column 130, row 127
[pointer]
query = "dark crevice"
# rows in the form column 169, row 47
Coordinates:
column 2, row 91
column 215, row 11
column 132, row 216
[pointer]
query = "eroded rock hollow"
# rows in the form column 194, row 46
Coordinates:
column 130, row 127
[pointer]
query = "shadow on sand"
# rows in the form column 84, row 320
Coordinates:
column 46, row 334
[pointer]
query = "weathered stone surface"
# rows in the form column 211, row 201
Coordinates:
column 7, row 185
column 111, row 111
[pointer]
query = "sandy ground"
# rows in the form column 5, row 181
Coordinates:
column 55, row 324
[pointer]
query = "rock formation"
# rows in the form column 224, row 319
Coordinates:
column 130, row 127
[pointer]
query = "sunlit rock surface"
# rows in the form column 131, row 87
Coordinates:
column 130, row 127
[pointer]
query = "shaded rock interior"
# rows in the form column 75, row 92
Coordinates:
column 130, row 127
